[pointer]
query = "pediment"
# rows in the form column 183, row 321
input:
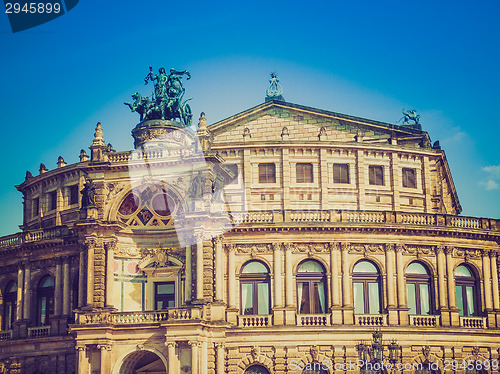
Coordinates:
column 276, row 121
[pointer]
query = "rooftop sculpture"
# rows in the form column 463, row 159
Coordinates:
column 410, row 115
column 167, row 99
column 274, row 91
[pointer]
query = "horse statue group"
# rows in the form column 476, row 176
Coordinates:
column 410, row 115
column 167, row 101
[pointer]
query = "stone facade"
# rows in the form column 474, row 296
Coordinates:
column 156, row 274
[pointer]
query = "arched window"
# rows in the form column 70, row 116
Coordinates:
column 418, row 289
column 45, row 300
column 9, row 305
column 256, row 369
column 311, row 281
column 366, row 288
column 255, row 295
column 466, row 289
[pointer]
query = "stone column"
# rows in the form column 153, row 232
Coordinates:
column 361, row 178
column 58, row 289
column 81, row 280
column 195, row 366
column 189, row 275
column 220, row 358
column 199, row 267
column 346, row 289
column 494, row 274
column 81, row 360
column 219, row 270
column 288, row 277
column 105, row 358
column 395, row 181
column 27, row 293
column 278, row 298
column 400, row 280
column 487, row 282
column 334, row 263
column 441, row 278
column 90, row 244
column 19, row 302
column 389, row 257
column 452, row 296
column 172, row 362
column 110, row 273
column 66, row 288
column 231, row 284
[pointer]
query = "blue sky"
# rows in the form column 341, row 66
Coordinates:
column 363, row 58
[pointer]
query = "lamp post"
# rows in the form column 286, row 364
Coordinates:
column 372, row 356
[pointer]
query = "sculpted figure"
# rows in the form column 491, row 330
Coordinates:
column 88, row 194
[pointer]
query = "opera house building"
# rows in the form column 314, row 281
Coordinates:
column 283, row 239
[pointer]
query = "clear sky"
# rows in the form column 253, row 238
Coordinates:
column 363, row 58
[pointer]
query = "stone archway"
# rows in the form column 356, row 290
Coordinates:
column 142, row 362
column 256, row 369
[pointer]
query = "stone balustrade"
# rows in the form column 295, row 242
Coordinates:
column 473, row 322
column 371, row 320
column 254, row 321
column 313, row 319
column 140, row 317
column 5, row 335
column 424, row 321
column 38, row 332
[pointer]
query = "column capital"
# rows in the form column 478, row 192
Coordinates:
column 219, row 239
column 110, row 244
column 104, row 347
column 390, row 247
column 439, row 249
column 344, row 247
column 81, row 348
column 332, row 246
column 493, row 253
column 220, row 345
column 231, row 247
column 90, row 242
column 448, row 250
column 194, row 343
column 276, row 246
column 171, row 344
column 399, row 248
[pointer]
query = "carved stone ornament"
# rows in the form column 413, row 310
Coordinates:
column 254, row 248
column 113, row 188
column 314, row 352
column 475, row 352
column 426, row 350
column 310, row 248
column 255, row 352
column 466, row 253
column 418, row 251
column 366, row 249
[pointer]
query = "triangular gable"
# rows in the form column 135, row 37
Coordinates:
column 273, row 120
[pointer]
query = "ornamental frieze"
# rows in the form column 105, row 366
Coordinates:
column 366, row 248
column 466, row 253
column 418, row 251
column 310, row 248
column 254, row 248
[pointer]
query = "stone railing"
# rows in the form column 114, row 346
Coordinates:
column 38, row 332
column 254, row 321
column 424, row 321
column 473, row 322
column 313, row 319
column 371, row 320
column 310, row 216
column 365, row 217
column 5, row 335
column 119, row 156
column 34, row 236
column 129, row 318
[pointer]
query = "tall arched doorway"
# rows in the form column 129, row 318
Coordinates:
column 142, row 362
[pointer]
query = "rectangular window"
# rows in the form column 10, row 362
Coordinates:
column 267, row 173
column 409, row 180
column 34, row 207
column 247, row 298
column 424, row 299
column 304, row 173
column 234, row 170
column 410, row 291
column 164, row 295
column 52, row 200
column 73, row 194
column 376, row 175
column 359, row 298
column 460, row 301
column 340, row 173
column 373, row 297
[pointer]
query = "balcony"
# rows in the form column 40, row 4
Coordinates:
column 130, row 318
column 313, row 319
column 473, row 322
column 370, row 320
column 254, row 321
column 38, row 332
column 5, row 335
column 424, row 321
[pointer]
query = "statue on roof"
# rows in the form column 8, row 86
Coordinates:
column 167, row 99
column 274, row 91
column 410, row 115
